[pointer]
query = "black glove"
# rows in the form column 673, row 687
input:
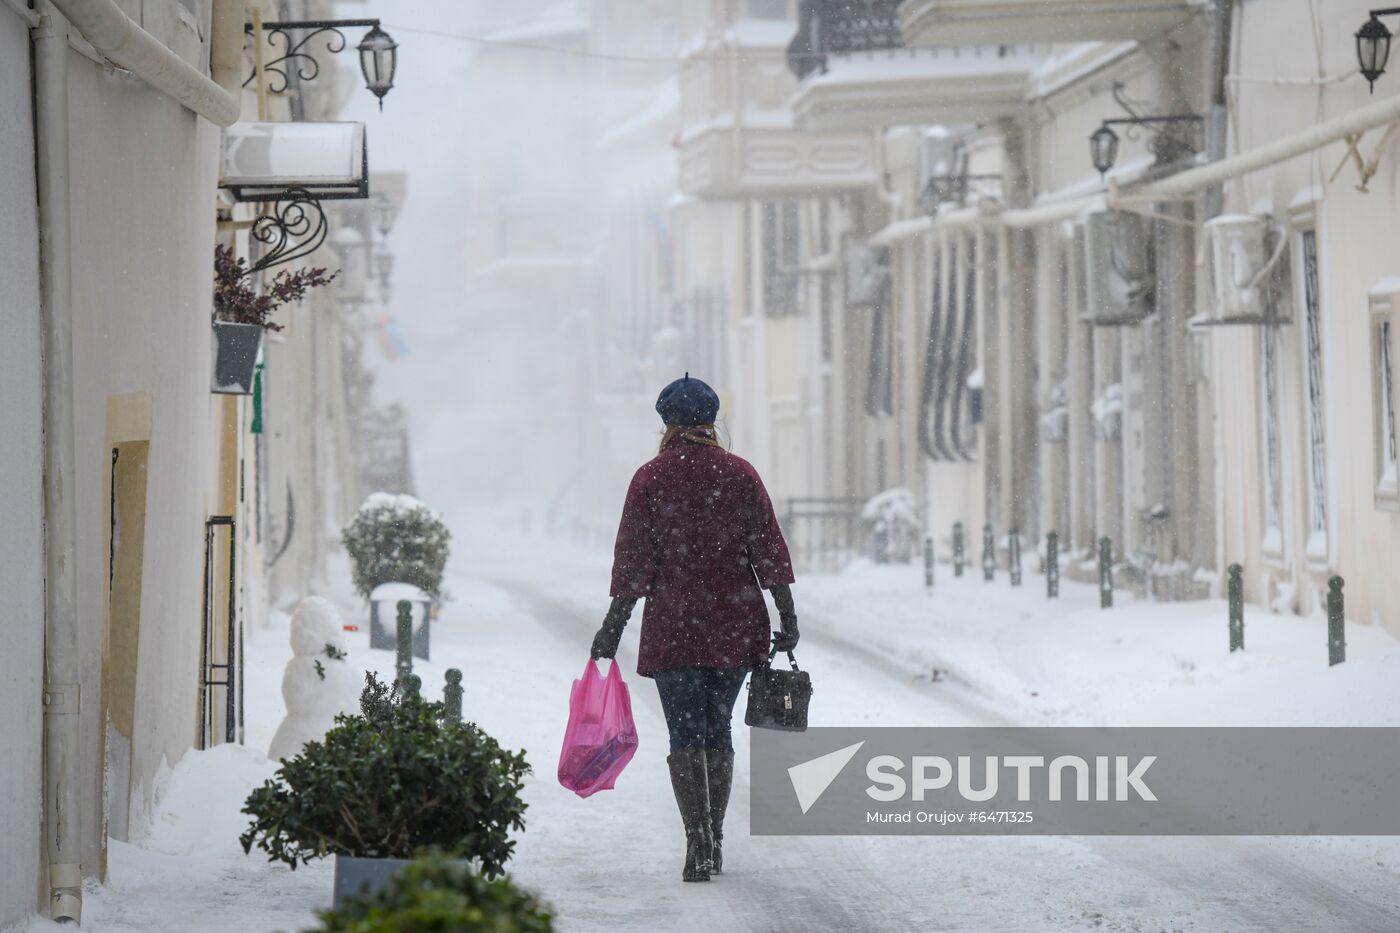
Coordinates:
column 605, row 642
column 787, row 638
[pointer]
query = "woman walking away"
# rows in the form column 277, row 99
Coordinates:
column 699, row 541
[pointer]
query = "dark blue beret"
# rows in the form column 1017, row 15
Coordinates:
column 687, row 402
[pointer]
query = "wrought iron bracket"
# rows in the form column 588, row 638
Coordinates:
column 292, row 229
column 939, row 189
column 296, row 57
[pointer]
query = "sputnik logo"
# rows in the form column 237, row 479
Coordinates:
column 811, row 778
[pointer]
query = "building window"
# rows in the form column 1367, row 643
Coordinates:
column 1317, row 438
column 1386, row 375
column 781, row 246
column 1273, row 466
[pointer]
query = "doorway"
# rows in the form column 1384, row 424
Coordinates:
column 125, row 556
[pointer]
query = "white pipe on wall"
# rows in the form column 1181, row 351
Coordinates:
column 62, row 809
column 1359, row 120
column 113, row 34
column 226, row 46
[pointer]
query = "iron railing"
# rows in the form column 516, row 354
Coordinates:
column 844, row 28
column 823, row 534
column 840, row 27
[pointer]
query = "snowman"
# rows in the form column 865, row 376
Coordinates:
column 318, row 683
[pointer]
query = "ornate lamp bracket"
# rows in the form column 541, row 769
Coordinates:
column 292, row 229
column 298, row 55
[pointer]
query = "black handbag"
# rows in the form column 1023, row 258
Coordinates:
column 777, row 698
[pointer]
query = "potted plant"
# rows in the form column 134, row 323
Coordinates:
column 382, row 786
column 396, row 539
column 241, row 315
column 436, row 892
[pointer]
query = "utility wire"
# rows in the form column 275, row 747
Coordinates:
column 602, row 56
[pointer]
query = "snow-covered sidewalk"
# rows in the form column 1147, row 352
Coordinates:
column 1066, row 662
column 881, row 651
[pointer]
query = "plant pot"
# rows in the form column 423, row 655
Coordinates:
column 354, row 875
column 235, row 357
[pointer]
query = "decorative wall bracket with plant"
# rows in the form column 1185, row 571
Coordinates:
column 237, row 301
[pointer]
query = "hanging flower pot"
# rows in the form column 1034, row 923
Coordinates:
column 236, row 349
column 241, row 315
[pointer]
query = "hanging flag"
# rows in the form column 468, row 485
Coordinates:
column 390, row 339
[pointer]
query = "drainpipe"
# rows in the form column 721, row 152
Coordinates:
column 62, row 816
column 1217, row 125
column 226, row 46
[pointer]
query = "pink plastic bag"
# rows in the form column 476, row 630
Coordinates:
column 601, row 736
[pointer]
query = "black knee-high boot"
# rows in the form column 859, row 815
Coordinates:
column 720, row 774
column 689, row 780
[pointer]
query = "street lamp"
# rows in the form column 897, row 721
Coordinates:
column 383, row 265
column 378, row 53
column 378, row 59
column 385, row 213
column 1373, row 46
column 1166, row 145
column 1103, row 149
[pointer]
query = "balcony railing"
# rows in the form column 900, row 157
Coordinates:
column 845, row 29
column 841, row 27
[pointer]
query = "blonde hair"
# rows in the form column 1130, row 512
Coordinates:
column 704, row 434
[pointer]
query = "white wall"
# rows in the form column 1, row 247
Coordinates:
column 143, row 179
column 21, row 478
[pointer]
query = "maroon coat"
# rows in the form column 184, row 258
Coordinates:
column 697, row 540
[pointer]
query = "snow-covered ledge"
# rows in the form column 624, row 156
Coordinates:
column 916, row 87
column 967, row 22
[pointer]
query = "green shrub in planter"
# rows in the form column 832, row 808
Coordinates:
column 436, row 893
column 396, row 539
column 389, row 783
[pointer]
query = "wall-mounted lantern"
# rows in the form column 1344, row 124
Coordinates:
column 386, row 211
column 383, row 266
column 1373, row 46
column 378, row 52
column 1168, row 142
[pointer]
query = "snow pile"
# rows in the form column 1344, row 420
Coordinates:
column 317, row 683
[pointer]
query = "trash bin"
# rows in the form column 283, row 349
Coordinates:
column 383, row 616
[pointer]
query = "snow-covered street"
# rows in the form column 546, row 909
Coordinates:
column 612, row 861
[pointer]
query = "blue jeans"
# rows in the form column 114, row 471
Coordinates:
column 698, row 703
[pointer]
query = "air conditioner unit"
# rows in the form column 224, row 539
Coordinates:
column 1120, row 264
column 1245, row 262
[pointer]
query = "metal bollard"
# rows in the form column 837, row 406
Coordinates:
column 957, row 549
column 1336, row 623
column 1105, row 573
column 989, row 554
column 1235, row 588
column 1013, row 556
column 403, row 663
column 412, row 687
column 452, row 694
column 928, row 562
column 1052, row 565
